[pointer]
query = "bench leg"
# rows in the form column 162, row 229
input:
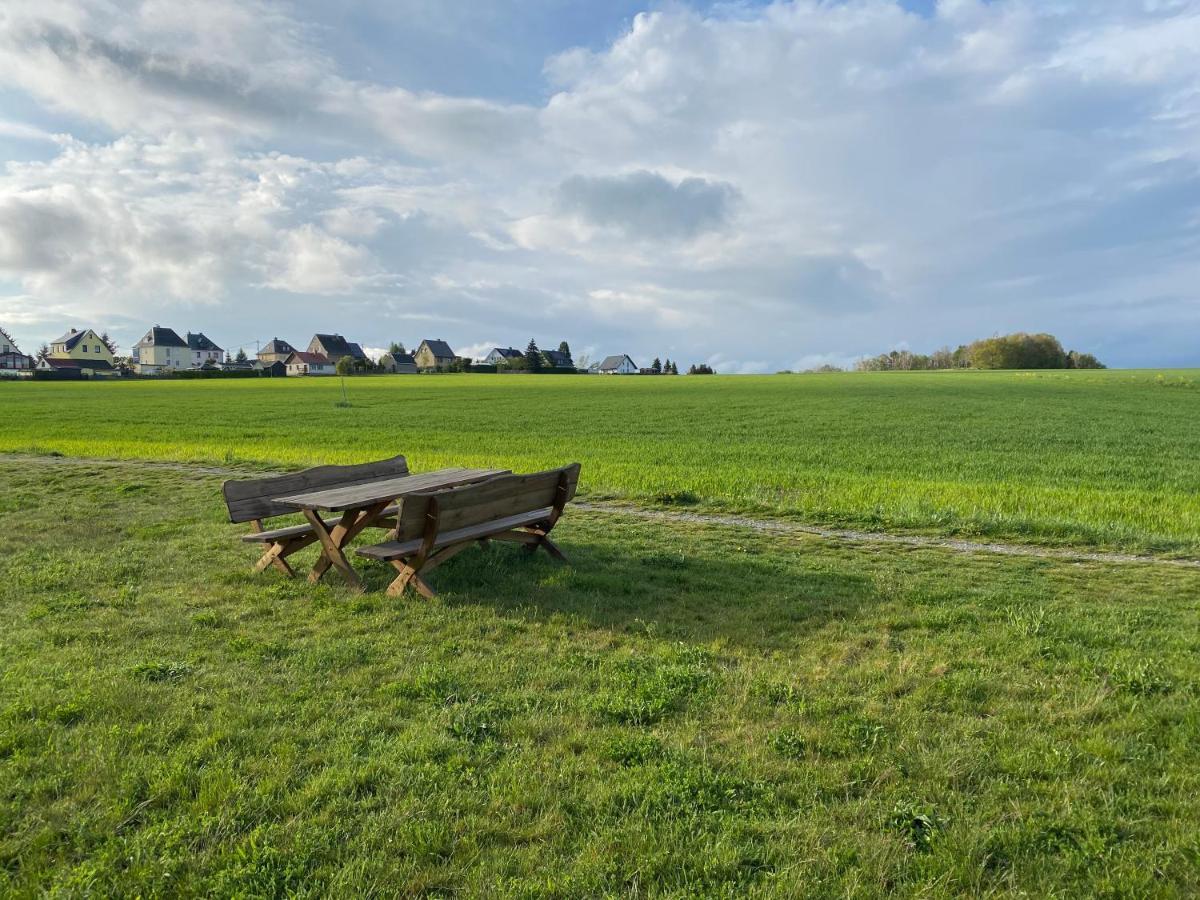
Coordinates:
column 532, row 540
column 411, row 577
column 277, row 554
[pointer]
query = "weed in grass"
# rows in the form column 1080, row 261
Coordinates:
column 479, row 721
column 642, row 691
column 161, row 671
column 633, row 749
column 917, row 823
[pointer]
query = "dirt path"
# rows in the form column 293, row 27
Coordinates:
column 766, row 526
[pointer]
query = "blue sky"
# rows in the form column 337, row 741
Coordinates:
column 758, row 185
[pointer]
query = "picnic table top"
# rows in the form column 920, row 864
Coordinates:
column 357, row 496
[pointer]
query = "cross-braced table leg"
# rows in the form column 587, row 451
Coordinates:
column 333, row 540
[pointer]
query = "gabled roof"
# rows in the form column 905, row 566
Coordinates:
column 614, row 362
column 336, row 345
column 400, row 359
column 71, row 338
column 201, row 342
column 309, row 359
column 162, row 337
column 507, row 352
column 11, row 342
column 558, row 359
column 275, row 345
column 439, row 349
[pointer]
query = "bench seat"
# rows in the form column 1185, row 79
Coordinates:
column 390, row 550
column 291, row 531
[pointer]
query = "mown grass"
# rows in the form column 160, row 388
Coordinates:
column 1101, row 458
column 683, row 711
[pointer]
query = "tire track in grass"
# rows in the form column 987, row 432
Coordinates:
column 765, row 526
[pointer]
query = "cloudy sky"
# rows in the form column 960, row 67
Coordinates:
column 758, row 185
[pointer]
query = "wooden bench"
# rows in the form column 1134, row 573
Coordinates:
column 252, row 500
column 433, row 527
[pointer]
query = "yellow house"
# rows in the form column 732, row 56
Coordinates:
column 81, row 350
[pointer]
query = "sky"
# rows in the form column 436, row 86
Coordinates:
column 755, row 185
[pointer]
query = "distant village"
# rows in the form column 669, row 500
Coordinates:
column 82, row 353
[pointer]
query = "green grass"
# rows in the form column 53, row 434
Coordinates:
column 683, row 711
column 1101, row 458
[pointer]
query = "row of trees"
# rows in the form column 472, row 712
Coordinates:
column 1009, row 351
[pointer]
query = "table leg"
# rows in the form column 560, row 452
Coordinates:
column 333, row 540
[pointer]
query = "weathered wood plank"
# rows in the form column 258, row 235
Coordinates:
column 390, row 550
column 343, row 497
column 255, row 498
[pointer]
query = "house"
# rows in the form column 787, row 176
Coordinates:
column 556, row 359
column 617, row 365
column 270, row 369
column 276, row 351
column 434, row 355
column 501, row 355
column 161, row 351
column 398, row 364
column 82, row 350
column 304, row 363
column 11, row 357
column 333, row 347
column 203, row 350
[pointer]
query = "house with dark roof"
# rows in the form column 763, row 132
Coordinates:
column 11, row 357
column 203, row 349
column 398, row 364
column 161, row 351
column 88, row 352
column 556, row 359
column 434, row 356
column 333, row 347
column 276, row 351
column 500, row 355
column 304, row 363
column 618, row 365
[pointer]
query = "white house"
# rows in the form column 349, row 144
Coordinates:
column 302, row 363
column 618, row 365
column 500, row 355
column 203, row 350
column 160, row 351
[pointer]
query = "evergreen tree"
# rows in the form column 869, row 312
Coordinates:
column 533, row 357
column 564, row 347
column 109, row 343
column 656, row 366
column 396, row 347
column 228, row 358
column 241, row 355
column 43, row 352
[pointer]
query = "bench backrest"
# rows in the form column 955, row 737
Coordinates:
column 487, row 501
column 252, row 498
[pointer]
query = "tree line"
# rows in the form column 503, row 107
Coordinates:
column 1009, row 351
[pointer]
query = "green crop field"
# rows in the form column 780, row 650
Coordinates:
column 690, row 708
column 1107, row 458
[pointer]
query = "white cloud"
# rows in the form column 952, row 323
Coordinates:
column 311, row 261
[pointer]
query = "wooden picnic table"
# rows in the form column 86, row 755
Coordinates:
column 360, row 504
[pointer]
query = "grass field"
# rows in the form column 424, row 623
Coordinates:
column 684, row 711
column 687, row 710
column 1105, row 458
